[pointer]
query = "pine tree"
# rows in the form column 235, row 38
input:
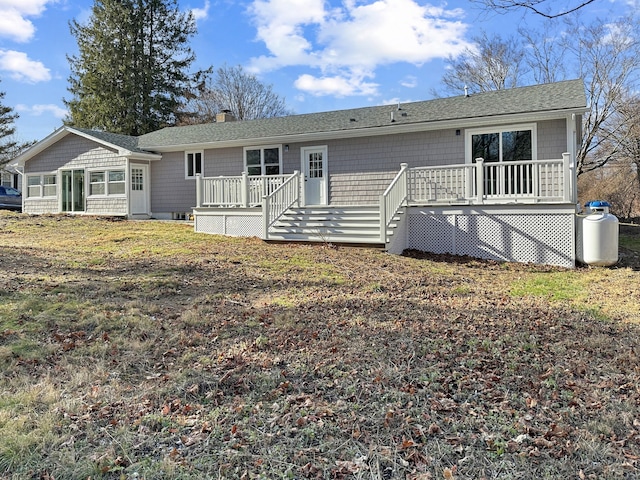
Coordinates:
column 131, row 72
column 7, row 130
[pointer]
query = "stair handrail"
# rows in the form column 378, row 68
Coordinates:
column 392, row 200
column 275, row 204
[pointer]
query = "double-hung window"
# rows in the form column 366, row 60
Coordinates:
column 42, row 185
column 263, row 160
column 515, row 143
column 193, row 164
column 107, row 182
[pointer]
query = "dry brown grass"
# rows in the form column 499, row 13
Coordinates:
column 144, row 350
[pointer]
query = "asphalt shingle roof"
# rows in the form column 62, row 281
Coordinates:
column 123, row 141
column 567, row 95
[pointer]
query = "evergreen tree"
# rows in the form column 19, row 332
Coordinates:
column 131, row 72
column 7, row 129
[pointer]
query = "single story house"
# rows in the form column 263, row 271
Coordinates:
column 10, row 177
column 491, row 175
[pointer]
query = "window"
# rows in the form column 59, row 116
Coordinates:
column 263, row 160
column 115, row 184
column 506, row 144
column 193, row 164
column 97, row 186
column 108, row 182
column 44, row 185
column 49, row 185
column 137, row 179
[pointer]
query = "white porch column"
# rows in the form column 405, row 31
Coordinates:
column 244, row 190
column 569, row 178
column 199, row 190
column 480, row 180
column 265, row 218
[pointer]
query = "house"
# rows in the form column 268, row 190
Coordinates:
column 10, row 177
column 490, row 175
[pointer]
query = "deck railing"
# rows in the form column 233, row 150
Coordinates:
column 393, row 198
column 279, row 201
column 535, row 181
column 238, row 191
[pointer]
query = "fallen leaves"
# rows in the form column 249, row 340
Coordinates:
column 284, row 362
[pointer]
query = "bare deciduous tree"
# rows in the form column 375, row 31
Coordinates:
column 544, row 8
column 496, row 64
column 546, row 53
column 607, row 57
column 234, row 90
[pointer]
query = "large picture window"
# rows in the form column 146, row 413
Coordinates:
column 193, row 164
column 263, row 160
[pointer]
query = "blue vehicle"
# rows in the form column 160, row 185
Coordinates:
column 10, row 199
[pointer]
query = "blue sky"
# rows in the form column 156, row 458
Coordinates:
column 319, row 55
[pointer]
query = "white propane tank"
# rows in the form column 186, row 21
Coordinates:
column 599, row 235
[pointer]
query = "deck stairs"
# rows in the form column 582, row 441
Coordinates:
column 333, row 224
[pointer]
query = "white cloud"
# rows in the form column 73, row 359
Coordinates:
column 349, row 42
column 40, row 109
column 338, row 86
column 202, row 13
column 410, row 81
column 23, row 69
column 13, row 23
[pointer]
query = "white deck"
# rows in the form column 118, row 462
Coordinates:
column 514, row 211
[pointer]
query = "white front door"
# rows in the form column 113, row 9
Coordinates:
column 314, row 166
column 138, row 194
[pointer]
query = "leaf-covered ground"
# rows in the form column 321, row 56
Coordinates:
column 143, row 350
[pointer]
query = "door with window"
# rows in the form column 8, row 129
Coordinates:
column 314, row 166
column 507, row 153
column 73, row 191
column 138, row 194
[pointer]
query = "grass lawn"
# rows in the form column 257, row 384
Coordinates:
column 141, row 350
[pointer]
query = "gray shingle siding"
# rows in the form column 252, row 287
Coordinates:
column 170, row 191
column 71, row 152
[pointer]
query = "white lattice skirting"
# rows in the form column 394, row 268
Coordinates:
column 239, row 223
column 539, row 234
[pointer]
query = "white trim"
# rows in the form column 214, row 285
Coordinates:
column 262, row 148
column 468, row 134
column 186, row 164
column 62, row 132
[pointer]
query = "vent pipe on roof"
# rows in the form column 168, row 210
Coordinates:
column 466, row 91
column 392, row 117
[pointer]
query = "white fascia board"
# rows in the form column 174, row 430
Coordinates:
column 42, row 145
column 390, row 129
column 143, row 156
